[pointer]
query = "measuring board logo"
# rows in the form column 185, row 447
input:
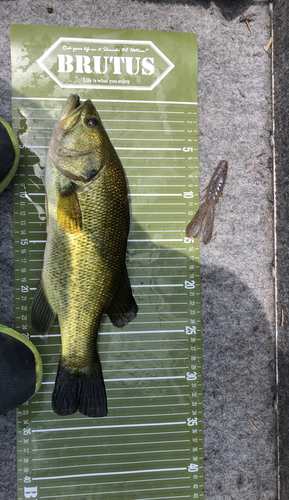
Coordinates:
column 89, row 63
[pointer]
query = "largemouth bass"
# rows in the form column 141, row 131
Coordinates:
column 84, row 272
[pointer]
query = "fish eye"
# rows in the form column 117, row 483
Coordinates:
column 91, row 122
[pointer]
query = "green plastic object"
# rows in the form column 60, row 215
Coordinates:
column 9, row 152
column 20, row 362
column 20, row 369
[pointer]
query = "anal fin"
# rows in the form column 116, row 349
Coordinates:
column 123, row 308
column 41, row 314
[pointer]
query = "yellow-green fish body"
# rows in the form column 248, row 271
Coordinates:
column 84, row 272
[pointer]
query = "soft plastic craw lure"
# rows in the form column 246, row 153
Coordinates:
column 204, row 217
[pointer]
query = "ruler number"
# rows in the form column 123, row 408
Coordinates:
column 189, row 285
column 192, row 421
column 193, row 468
column 30, row 492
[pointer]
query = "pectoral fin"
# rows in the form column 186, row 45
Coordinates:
column 123, row 307
column 41, row 315
column 68, row 211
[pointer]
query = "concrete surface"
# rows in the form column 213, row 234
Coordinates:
column 237, row 285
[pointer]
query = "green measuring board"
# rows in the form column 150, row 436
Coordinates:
column 144, row 86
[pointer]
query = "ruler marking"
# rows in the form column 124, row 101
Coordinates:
column 126, row 491
column 115, row 444
column 141, row 471
column 156, row 424
column 180, row 478
column 109, row 455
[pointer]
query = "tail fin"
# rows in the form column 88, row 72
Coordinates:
column 85, row 394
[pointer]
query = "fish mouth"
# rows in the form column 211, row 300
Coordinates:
column 71, row 112
column 69, row 117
